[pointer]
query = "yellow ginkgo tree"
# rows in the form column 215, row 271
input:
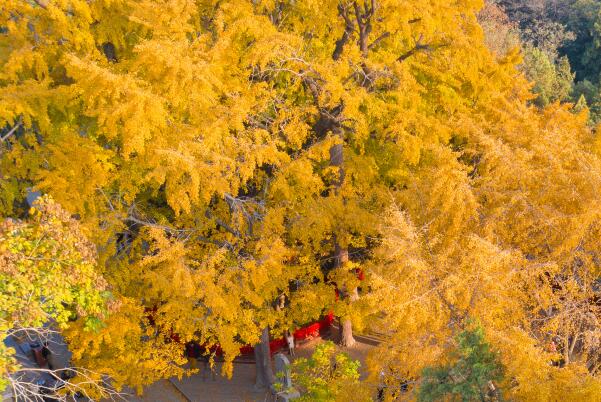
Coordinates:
column 498, row 227
column 219, row 163
column 232, row 161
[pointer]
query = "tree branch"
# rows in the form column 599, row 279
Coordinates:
column 11, row 132
column 219, row 243
column 419, row 47
column 378, row 40
column 42, row 3
column 364, row 22
column 222, row 224
column 23, row 388
column 349, row 28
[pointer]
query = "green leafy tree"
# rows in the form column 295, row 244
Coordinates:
column 583, row 17
column 564, row 34
column 539, row 41
column 470, row 377
column 552, row 79
column 328, row 376
column 589, row 94
column 48, row 279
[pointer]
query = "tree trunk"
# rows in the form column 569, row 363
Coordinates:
column 346, row 334
column 337, row 159
column 566, row 350
column 265, row 376
column 346, row 325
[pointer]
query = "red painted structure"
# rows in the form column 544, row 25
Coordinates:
column 308, row 331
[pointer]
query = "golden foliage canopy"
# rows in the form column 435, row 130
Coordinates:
column 193, row 139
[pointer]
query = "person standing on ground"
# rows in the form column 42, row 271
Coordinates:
column 290, row 342
column 47, row 355
column 192, row 353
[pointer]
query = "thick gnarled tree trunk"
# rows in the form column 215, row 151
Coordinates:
column 346, row 333
column 265, row 376
column 346, row 325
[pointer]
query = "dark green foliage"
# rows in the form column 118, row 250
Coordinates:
column 583, row 18
column 468, row 378
column 590, row 94
column 560, row 29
